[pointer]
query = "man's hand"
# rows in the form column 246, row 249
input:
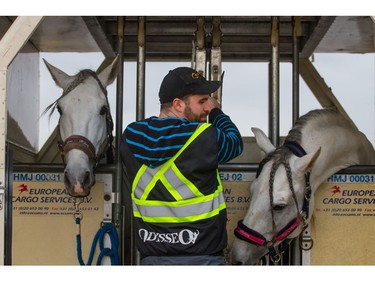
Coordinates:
column 213, row 103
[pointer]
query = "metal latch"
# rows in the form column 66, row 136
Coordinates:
column 306, row 242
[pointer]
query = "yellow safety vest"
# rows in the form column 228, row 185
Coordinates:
column 190, row 204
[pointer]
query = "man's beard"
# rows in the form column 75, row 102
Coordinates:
column 194, row 117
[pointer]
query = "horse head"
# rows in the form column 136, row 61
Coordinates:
column 85, row 126
column 276, row 213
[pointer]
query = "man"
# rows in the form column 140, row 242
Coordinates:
column 172, row 164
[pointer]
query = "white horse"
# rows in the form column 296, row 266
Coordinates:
column 85, row 126
column 320, row 144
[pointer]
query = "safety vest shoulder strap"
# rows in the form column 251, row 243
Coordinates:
column 201, row 127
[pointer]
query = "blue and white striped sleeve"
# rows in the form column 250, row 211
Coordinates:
column 230, row 143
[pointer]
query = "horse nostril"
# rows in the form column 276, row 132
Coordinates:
column 66, row 179
column 86, row 179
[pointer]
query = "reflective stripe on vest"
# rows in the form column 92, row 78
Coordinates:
column 190, row 205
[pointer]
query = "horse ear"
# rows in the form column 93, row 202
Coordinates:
column 109, row 73
column 305, row 163
column 263, row 141
column 61, row 79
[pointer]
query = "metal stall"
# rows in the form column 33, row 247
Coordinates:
column 36, row 212
column 204, row 41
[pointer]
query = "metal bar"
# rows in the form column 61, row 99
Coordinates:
column 295, row 68
column 250, row 167
column 200, row 50
column 119, row 90
column 141, row 66
column 215, row 62
column 58, row 168
column 8, row 204
column 229, row 167
column 200, row 33
column 117, row 189
column 238, row 167
column 215, row 66
column 274, row 95
column 295, row 251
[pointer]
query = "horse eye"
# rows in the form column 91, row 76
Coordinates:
column 59, row 110
column 278, row 207
column 103, row 110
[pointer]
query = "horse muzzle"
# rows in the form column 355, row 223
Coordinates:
column 77, row 187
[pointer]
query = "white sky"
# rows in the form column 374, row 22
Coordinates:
column 245, row 90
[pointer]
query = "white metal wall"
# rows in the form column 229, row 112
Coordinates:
column 11, row 43
column 23, row 97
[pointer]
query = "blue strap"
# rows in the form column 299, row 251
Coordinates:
column 106, row 228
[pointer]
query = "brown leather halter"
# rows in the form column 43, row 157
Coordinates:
column 81, row 142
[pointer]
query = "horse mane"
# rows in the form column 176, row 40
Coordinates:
column 320, row 116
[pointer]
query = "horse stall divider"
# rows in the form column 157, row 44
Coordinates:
column 236, row 193
column 43, row 225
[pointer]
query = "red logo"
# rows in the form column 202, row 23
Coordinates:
column 22, row 188
column 335, row 189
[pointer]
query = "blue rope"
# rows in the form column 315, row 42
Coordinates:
column 108, row 228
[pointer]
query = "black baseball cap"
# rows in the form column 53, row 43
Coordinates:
column 183, row 81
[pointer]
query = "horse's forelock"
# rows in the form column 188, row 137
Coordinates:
column 278, row 156
column 79, row 78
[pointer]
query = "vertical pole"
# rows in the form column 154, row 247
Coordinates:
column 200, row 49
column 274, row 95
column 296, row 30
column 215, row 65
column 296, row 22
column 117, row 212
column 141, row 67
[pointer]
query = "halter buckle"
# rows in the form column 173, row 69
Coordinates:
column 274, row 255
